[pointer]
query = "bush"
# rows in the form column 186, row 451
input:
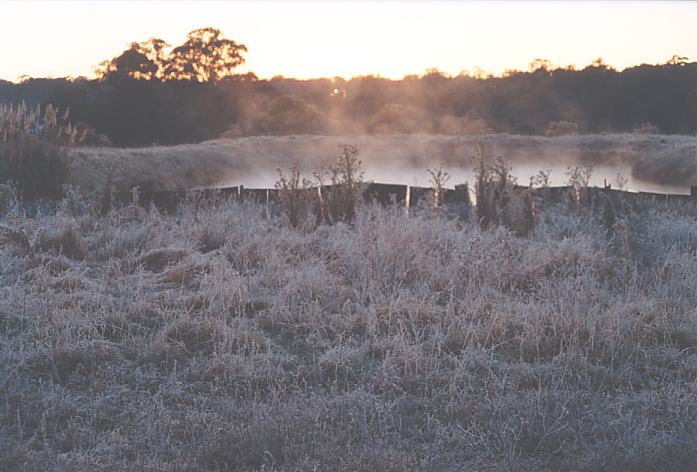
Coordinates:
column 499, row 202
column 439, row 177
column 295, row 196
column 32, row 150
column 335, row 198
column 339, row 201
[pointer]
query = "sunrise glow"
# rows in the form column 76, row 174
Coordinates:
column 327, row 39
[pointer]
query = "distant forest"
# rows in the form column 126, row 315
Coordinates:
column 155, row 94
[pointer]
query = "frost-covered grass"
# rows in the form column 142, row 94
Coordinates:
column 218, row 339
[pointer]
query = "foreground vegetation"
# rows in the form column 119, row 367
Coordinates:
column 220, row 338
column 33, row 144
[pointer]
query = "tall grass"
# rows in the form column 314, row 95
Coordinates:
column 32, row 143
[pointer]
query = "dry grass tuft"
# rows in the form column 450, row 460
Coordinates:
column 159, row 259
column 56, row 265
column 210, row 239
column 15, row 239
column 184, row 273
column 65, row 240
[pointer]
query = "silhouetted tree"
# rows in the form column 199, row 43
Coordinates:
column 206, row 56
column 141, row 61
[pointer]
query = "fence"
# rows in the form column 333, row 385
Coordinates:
column 404, row 195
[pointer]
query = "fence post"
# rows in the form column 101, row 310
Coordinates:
column 461, row 199
column 407, row 200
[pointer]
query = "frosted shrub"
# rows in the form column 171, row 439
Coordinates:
column 295, row 196
column 339, row 202
column 499, row 201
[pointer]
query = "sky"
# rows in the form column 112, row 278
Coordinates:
column 334, row 38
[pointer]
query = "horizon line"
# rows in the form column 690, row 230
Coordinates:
column 476, row 73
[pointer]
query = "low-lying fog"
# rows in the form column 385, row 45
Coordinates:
column 666, row 164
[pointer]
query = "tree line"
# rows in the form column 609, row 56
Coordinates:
column 153, row 93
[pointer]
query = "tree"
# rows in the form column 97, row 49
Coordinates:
column 677, row 60
column 141, row 61
column 206, row 56
column 288, row 114
column 539, row 64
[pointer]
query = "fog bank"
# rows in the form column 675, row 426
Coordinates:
column 649, row 162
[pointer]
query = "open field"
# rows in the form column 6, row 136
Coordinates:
column 219, row 339
column 650, row 162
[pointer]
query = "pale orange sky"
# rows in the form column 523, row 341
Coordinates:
column 331, row 38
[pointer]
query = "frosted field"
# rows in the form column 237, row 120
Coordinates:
column 219, row 339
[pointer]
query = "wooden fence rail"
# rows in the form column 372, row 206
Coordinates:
column 404, row 195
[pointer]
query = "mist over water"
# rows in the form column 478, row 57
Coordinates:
column 616, row 176
column 654, row 163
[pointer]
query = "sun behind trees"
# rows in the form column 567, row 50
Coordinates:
column 154, row 93
column 206, row 56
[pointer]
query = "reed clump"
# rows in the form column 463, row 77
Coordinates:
column 32, row 149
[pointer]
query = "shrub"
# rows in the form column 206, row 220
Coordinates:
column 439, row 178
column 578, row 179
column 32, row 149
column 294, row 196
column 339, row 200
column 333, row 199
column 499, row 202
